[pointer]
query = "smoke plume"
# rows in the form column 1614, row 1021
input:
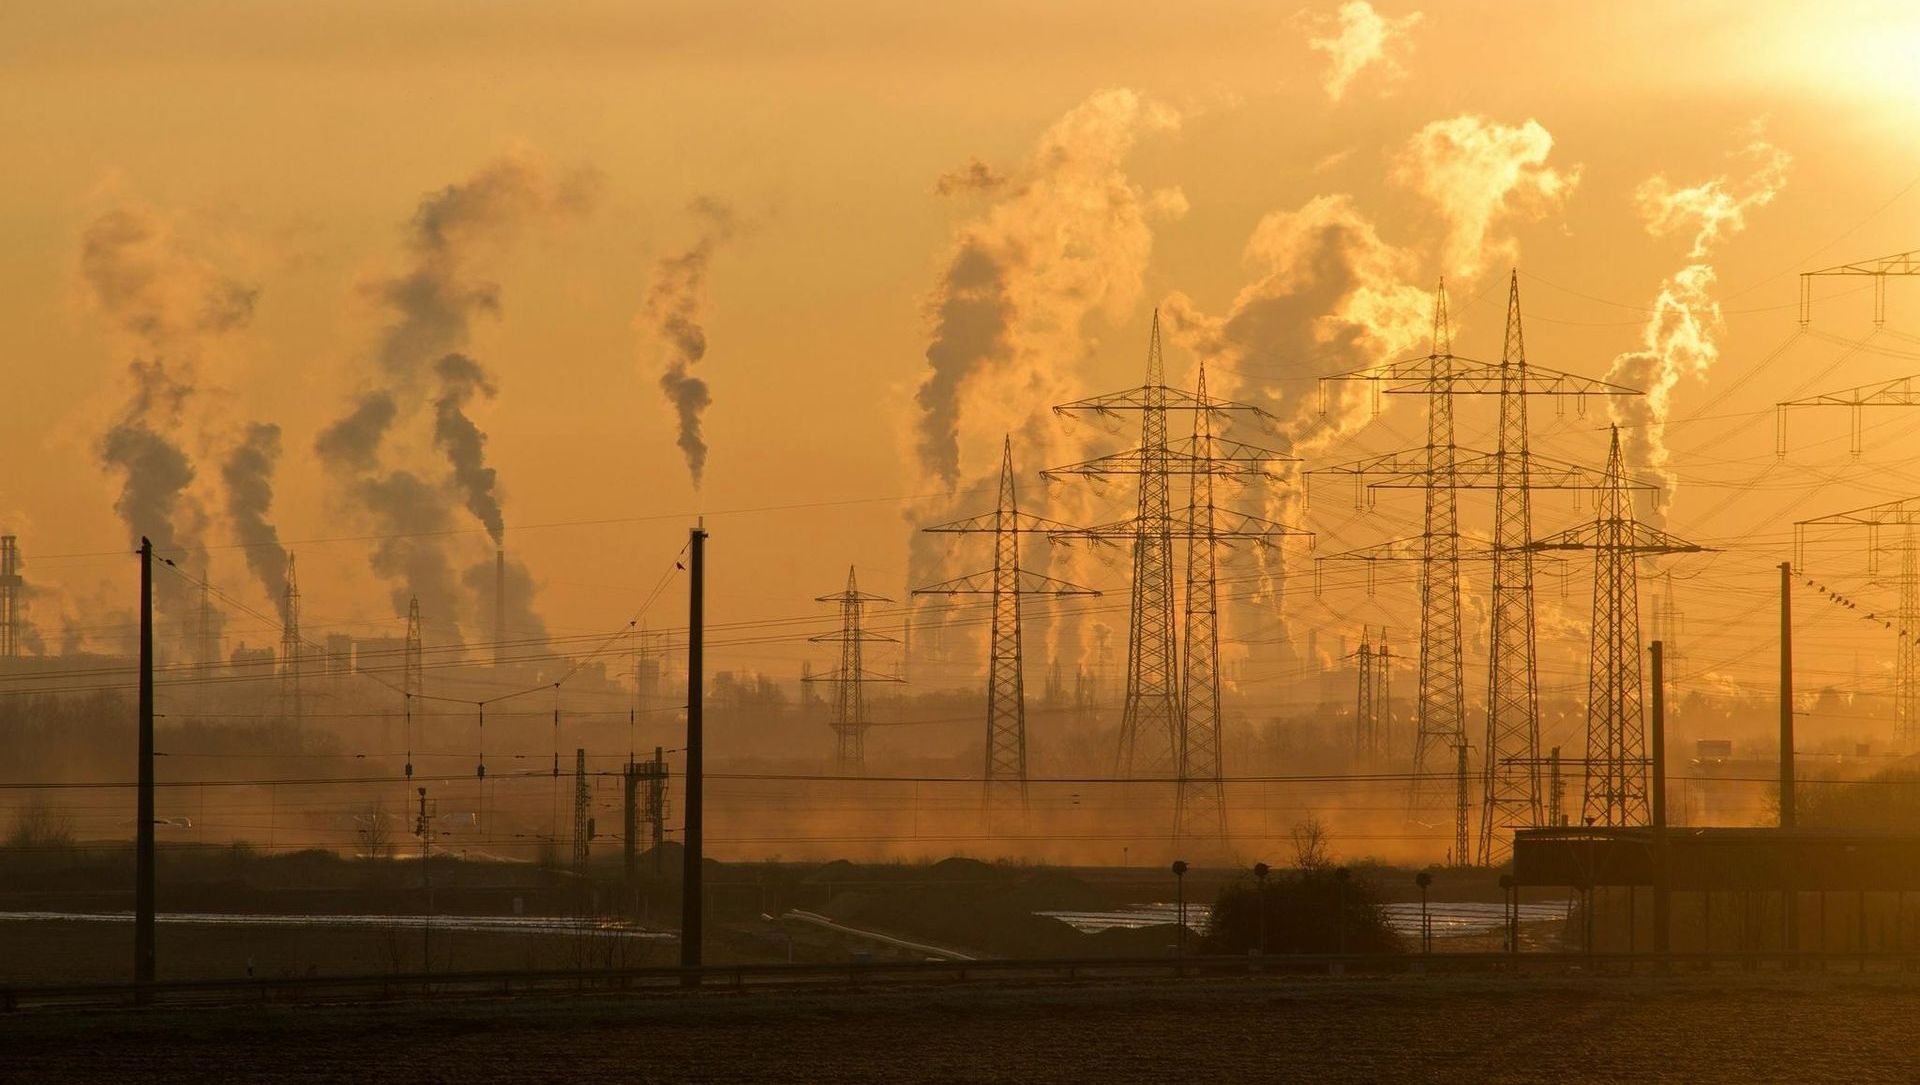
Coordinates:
column 1681, row 336
column 168, row 304
column 1069, row 240
column 676, row 305
column 1476, row 172
column 1066, row 240
column 461, row 378
column 1356, row 37
column 420, row 362
column 248, row 474
column 521, row 623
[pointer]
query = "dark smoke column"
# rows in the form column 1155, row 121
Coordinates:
column 676, row 304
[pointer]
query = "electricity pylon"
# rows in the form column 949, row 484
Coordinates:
column 1005, row 777
column 1192, row 750
column 850, row 678
column 1899, row 265
column 1510, row 776
column 582, row 813
column 1616, row 793
column 1510, row 779
column 1899, row 392
column 412, row 673
column 1372, row 710
column 290, row 648
column 1200, row 801
column 1149, row 724
column 1904, row 514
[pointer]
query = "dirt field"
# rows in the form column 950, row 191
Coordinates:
column 1410, row 1029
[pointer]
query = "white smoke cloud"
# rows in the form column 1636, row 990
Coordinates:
column 1065, row 240
column 1681, row 336
column 1356, row 37
column 1068, row 241
column 1476, row 173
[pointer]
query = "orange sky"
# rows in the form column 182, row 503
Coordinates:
column 286, row 150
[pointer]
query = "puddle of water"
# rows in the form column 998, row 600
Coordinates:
column 1448, row 918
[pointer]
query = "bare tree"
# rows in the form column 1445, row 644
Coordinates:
column 375, row 830
column 1310, row 844
column 41, row 826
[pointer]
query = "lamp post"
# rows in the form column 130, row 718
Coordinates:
column 1423, row 880
column 1180, row 906
column 1340, row 875
column 1510, row 904
column 1260, row 871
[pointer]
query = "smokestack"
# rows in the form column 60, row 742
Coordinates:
column 499, row 603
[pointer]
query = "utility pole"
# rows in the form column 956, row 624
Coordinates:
column 849, row 680
column 1663, row 876
column 1616, row 792
column 582, row 814
column 1903, row 514
column 1005, row 787
column 1461, row 805
column 646, row 790
column 423, row 828
column 1789, row 893
column 143, row 891
column 1787, row 811
column 691, row 895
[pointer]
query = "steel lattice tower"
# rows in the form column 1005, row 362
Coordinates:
column 290, row 652
column 1616, row 793
column 1150, row 706
column 1200, row 805
column 849, row 680
column 1372, row 711
column 412, row 673
column 1366, row 721
column 1441, row 699
column 582, row 807
column 1904, row 514
column 1152, row 743
column 1439, row 470
column 1005, row 773
column 1510, row 774
column 10, row 582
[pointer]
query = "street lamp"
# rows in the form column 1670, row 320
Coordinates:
column 1510, row 903
column 1423, row 880
column 1260, row 871
column 1180, row 905
column 1340, row 875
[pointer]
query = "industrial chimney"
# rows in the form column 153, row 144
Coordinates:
column 499, row 604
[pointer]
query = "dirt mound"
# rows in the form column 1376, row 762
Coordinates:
column 960, row 869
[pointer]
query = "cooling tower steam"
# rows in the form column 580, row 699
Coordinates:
column 1681, row 335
